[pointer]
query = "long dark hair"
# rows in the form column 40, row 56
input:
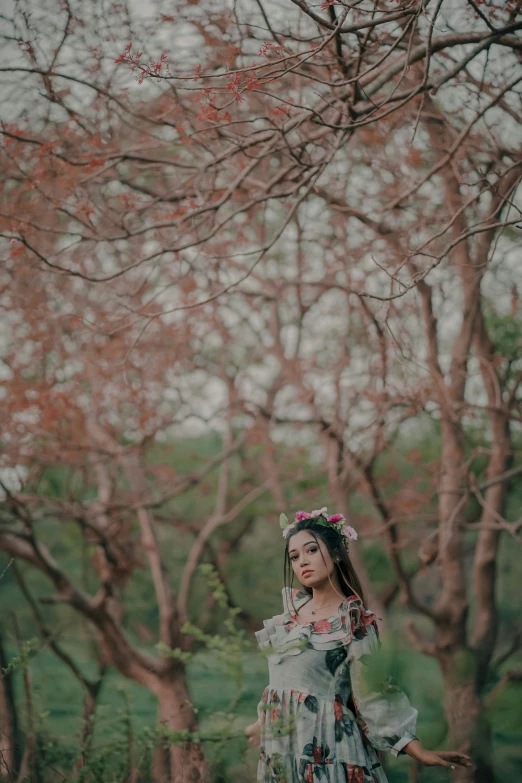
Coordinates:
column 334, row 542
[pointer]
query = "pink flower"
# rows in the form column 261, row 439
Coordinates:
column 322, row 626
column 349, row 532
column 300, row 515
column 318, row 512
column 335, row 518
column 288, row 529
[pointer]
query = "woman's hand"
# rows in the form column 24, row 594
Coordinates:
column 253, row 733
column 436, row 758
column 444, row 758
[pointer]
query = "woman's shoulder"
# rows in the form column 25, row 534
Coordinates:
column 293, row 599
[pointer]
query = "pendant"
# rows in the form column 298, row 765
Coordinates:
column 313, row 611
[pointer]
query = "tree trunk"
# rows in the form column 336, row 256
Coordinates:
column 10, row 755
column 469, row 730
column 182, row 762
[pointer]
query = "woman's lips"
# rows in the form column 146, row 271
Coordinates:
column 305, row 573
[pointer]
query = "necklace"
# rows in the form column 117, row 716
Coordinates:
column 321, row 607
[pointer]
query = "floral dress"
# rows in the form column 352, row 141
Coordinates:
column 319, row 719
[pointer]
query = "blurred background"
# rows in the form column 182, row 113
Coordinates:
column 255, row 257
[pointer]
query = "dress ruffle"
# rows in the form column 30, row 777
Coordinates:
column 283, row 636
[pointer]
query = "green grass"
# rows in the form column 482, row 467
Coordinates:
column 58, row 707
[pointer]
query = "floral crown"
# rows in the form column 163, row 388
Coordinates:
column 336, row 521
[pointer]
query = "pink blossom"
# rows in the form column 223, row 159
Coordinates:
column 322, row 626
column 319, row 511
column 349, row 532
column 300, row 515
column 335, row 518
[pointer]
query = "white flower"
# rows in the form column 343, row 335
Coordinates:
column 349, row 532
column 287, row 530
column 318, row 513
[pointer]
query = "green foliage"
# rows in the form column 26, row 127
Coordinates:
column 225, row 673
column 28, row 650
column 505, row 331
column 386, row 670
column 228, row 647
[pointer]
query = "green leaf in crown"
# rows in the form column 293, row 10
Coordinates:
column 283, row 521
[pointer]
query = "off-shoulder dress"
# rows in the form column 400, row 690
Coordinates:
column 320, row 722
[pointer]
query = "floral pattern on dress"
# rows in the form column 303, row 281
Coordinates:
column 318, row 722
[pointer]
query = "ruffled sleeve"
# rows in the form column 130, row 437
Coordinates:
column 385, row 716
column 280, row 636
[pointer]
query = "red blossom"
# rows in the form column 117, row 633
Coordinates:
column 125, row 54
column 322, row 626
column 263, row 51
column 251, row 82
column 233, row 86
column 279, row 111
column 270, row 47
column 207, row 113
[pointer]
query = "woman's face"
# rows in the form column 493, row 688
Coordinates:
column 306, row 556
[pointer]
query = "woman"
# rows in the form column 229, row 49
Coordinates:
column 318, row 719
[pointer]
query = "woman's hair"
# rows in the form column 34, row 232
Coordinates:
column 334, row 542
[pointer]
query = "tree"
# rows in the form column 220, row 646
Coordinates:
column 376, row 177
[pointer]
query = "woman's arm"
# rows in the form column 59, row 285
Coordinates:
column 386, row 716
column 436, row 758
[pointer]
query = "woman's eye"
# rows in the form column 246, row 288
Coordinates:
column 309, row 551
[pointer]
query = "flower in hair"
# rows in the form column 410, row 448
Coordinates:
column 320, row 516
column 349, row 533
column 288, row 529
